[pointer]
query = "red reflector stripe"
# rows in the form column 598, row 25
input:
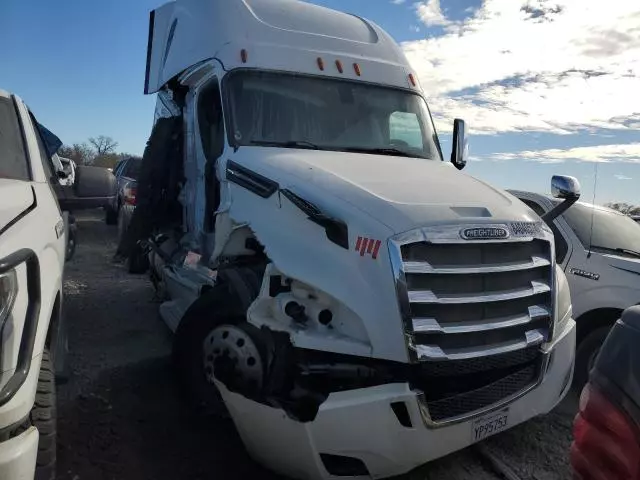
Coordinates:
column 365, row 243
column 358, row 244
column 376, row 249
column 370, row 246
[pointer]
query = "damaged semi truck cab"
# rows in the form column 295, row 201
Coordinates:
column 357, row 304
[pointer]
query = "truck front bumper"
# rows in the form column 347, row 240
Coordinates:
column 359, row 428
column 18, row 456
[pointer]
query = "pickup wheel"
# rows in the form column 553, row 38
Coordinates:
column 43, row 417
column 110, row 216
column 71, row 243
column 586, row 355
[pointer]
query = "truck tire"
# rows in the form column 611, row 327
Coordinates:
column 138, row 261
column 43, row 417
column 216, row 307
column 110, row 216
column 71, row 242
column 586, row 354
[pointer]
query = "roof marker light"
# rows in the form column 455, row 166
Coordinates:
column 243, row 55
column 412, row 79
column 339, row 66
column 320, row 64
column 356, row 67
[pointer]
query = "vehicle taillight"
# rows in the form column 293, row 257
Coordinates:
column 605, row 444
column 130, row 192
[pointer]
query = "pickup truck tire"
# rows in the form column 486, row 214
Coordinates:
column 586, row 354
column 71, row 242
column 110, row 216
column 43, row 417
column 216, row 307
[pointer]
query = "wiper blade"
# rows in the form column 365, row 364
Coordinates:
column 382, row 151
column 617, row 250
column 289, row 144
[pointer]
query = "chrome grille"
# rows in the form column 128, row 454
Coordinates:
column 464, row 299
column 474, row 312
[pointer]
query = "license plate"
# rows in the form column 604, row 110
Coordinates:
column 488, row 425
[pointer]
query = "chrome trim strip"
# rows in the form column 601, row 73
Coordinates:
column 429, row 423
column 451, row 233
column 431, row 325
column 434, row 352
column 426, row 267
column 427, row 296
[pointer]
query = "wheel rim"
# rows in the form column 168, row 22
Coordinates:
column 230, row 355
column 592, row 359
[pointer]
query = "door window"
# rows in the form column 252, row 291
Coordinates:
column 13, row 160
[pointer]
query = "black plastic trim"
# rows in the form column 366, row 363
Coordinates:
column 252, row 181
column 23, row 135
column 336, row 230
column 22, row 214
column 152, row 19
column 25, row 351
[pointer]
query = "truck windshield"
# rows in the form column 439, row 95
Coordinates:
column 613, row 232
column 294, row 111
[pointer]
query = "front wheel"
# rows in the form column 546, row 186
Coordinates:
column 190, row 358
column 71, row 242
column 43, row 417
column 586, row 355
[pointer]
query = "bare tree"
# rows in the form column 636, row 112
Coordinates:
column 625, row 208
column 81, row 153
column 103, row 145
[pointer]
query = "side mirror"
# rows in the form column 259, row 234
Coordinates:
column 94, row 187
column 460, row 147
column 566, row 188
column 61, row 175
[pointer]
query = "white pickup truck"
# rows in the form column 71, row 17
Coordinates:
column 602, row 264
column 32, row 256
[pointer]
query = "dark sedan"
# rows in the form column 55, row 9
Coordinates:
column 606, row 431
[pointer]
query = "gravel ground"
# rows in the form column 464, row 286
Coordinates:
column 121, row 416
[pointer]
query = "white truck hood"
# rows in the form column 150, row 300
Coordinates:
column 17, row 196
column 401, row 192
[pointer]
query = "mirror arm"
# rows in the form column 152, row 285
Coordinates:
column 559, row 209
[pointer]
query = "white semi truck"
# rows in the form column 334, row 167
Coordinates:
column 355, row 303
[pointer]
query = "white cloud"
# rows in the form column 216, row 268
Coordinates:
column 398, row 2
column 627, row 153
column 619, row 176
column 430, row 13
column 414, row 28
column 533, row 65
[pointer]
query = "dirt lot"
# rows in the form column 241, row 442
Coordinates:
column 121, row 417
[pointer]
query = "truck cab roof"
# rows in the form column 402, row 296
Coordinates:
column 285, row 35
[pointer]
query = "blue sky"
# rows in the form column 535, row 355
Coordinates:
column 546, row 86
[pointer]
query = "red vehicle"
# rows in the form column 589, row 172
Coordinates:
column 606, row 430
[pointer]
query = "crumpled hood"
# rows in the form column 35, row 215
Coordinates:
column 17, row 196
column 401, row 192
